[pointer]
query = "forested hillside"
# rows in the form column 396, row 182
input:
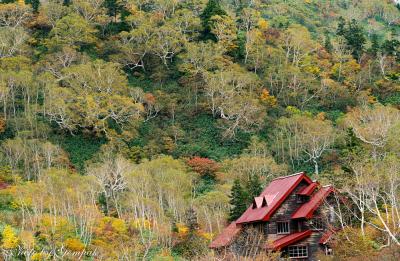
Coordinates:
column 136, row 129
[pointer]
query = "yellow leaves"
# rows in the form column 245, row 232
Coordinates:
column 141, row 223
column 224, row 29
column 54, row 227
column 182, row 229
column 10, row 240
column 132, row 9
column 312, row 69
column 110, row 226
column 270, row 100
column 292, row 110
column 118, row 225
column 353, row 65
column 263, row 24
column 321, row 116
column 39, row 256
column 74, row 244
column 21, row 2
column 206, row 235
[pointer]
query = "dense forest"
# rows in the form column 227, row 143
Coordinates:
column 136, row 129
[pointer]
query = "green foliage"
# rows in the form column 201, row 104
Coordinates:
column 253, row 187
column 204, row 139
column 213, row 8
column 80, row 148
column 354, row 35
column 192, row 245
column 238, row 201
column 71, row 30
column 34, row 3
column 375, row 46
column 204, row 185
column 162, row 105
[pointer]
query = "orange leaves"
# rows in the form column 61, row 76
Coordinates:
column 203, row 166
column 267, row 98
column 150, row 98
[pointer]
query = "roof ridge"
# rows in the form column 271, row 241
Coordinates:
column 291, row 175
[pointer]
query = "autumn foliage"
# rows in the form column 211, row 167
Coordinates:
column 104, row 105
column 203, row 166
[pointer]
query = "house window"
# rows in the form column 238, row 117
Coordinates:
column 266, row 228
column 317, row 224
column 300, row 251
column 282, row 227
column 301, row 199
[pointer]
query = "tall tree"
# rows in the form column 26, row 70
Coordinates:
column 354, row 35
column 253, row 187
column 238, row 199
column 213, row 8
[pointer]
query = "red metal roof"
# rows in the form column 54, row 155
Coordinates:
column 326, row 236
column 289, row 239
column 307, row 209
column 307, row 191
column 227, row 235
column 275, row 193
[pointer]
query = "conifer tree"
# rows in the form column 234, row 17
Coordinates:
column 341, row 30
column 213, row 8
column 35, row 5
column 355, row 38
column 374, row 45
column 238, row 199
column 254, row 187
column 328, row 45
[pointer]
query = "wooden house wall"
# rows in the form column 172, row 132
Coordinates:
column 269, row 229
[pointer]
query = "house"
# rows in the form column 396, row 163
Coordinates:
column 293, row 215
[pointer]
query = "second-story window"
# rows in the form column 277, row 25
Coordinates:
column 301, row 199
column 317, row 224
column 282, row 227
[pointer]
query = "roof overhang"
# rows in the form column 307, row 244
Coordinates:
column 288, row 240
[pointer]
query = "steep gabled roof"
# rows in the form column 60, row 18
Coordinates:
column 275, row 194
column 289, row 239
column 307, row 191
column 227, row 235
column 307, row 209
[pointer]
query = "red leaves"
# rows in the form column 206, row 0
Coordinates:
column 203, row 166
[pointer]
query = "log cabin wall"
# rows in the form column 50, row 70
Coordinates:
column 284, row 213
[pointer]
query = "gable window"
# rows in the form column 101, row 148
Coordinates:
column 282, row 227
column 300, row 251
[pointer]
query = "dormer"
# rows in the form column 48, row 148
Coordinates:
column 259, row 202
